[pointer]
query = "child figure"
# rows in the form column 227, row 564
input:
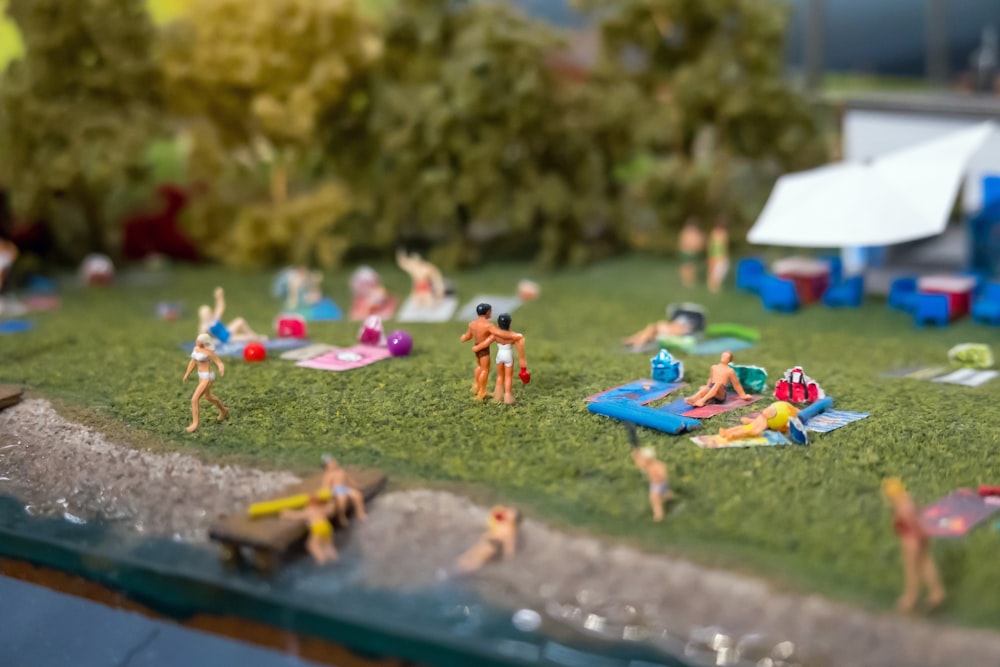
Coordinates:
column 499, row 541
column 656, row 471
column 690, row 244
column 718, row 255
column 505, row 338
column 918, row 562
column 316, row 515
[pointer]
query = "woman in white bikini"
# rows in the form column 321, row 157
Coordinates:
column 202, row 357
column 505, row 338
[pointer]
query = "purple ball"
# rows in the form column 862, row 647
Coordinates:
column 400, row 343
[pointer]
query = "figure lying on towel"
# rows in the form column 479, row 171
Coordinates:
column 779, row 416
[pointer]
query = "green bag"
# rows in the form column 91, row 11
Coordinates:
column 753, row 378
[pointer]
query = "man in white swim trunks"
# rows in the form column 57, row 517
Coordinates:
column 505, row 338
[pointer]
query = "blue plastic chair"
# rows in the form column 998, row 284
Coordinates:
column 902, row 294
column 749, row 273
column 847, row 294
column 986, row 309
column 931, row 309
column 778, row 294
column 836, row 268
column 981, row 280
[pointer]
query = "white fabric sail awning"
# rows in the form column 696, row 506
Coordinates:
column 903, row 196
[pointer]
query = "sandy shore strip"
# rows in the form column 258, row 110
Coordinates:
column 412, row 538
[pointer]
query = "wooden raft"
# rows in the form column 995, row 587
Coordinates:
column 265, row 541
column 10, row 395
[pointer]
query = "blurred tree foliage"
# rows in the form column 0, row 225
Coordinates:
column 77, row 112
column 467, row 139
column 253, row 79
column 713, row 118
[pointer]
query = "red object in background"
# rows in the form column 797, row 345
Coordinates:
column 989, row 491
column 160, row 233
column 809, row 288
column 959, row 303
column 525, row 375
column 291, row 327
column 255, row 352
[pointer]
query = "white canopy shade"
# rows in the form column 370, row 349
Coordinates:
column 902, row 196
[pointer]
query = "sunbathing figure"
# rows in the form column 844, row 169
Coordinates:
column 499, row 541
column 720, row 377
column 657, row 330
column 316, row 515
column 779, row 416
column 343, row 490
column 210, row 322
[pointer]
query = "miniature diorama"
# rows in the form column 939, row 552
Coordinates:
column 624, row 160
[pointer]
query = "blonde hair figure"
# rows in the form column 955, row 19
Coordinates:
column 918, row 562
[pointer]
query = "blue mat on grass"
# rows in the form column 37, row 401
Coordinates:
column 15, row 326
column 720, row 345
column 235, row 348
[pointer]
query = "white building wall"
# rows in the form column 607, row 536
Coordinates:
column 868, row 134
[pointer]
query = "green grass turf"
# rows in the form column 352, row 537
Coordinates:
column 809, row 518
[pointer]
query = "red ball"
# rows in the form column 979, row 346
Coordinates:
column 255, row 352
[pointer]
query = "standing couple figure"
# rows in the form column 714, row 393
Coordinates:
column 483, row 333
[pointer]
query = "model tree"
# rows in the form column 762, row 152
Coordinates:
column 254, row 79
column 77, row 111
column 468, row 138
column 717, row 106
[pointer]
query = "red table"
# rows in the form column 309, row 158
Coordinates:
column 958, row 289
column 811, row 276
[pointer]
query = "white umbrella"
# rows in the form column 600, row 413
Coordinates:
column 902, row 196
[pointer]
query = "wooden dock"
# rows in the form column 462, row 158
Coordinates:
column 264, row 542
column 10, row 395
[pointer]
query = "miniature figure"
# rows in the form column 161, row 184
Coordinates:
column 779, row 416
column 369, row 296
column 720, row 377
column 342, row 489
column 504, row 338
column 210, row 321
column 656, row 471
column 685, row 319
column 203, row 356
column 499, row 541
column 8, row 255
column 299, row 287
column 918, row 562
column 690, row 244
column 527, row 290
column 718, row 255
column 428, row 283
column 316, row 514
column 478, row 331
